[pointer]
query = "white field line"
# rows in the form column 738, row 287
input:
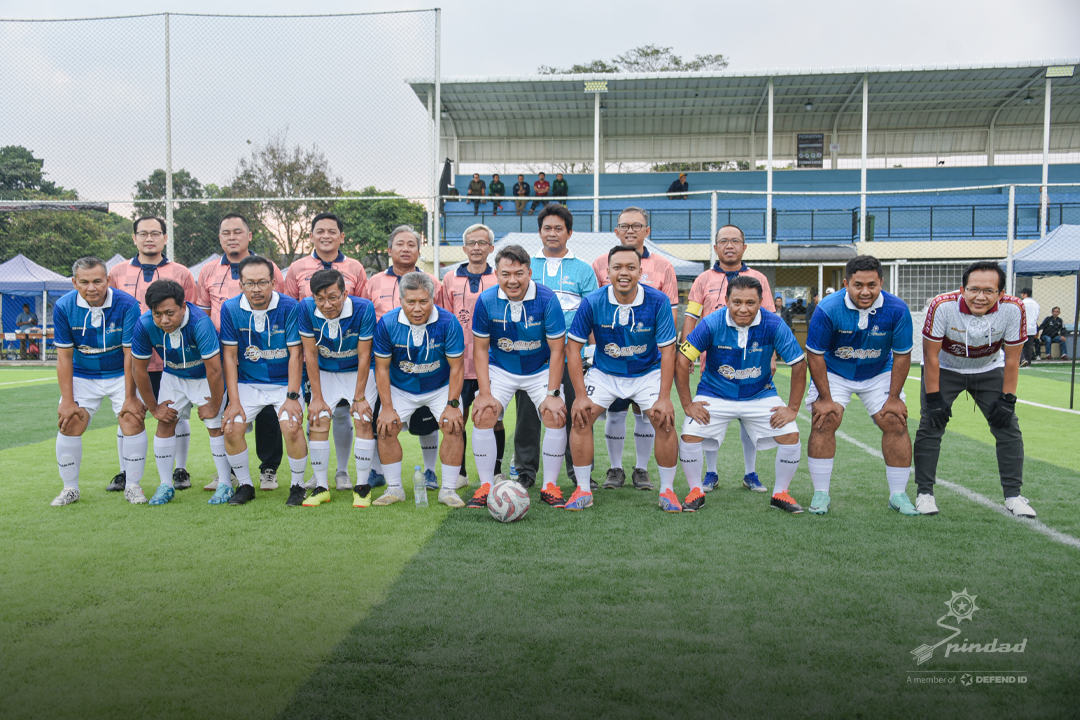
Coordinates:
column 20, row 382
column 1036, row 525
column 1028, row 402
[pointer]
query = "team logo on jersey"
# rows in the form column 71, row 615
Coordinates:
column 419, row 368
column 508, row 345
column 849, row 353
column 755, row 345
column 744, row 374
column 874, row 329
column 254, row 354
column 613, row 350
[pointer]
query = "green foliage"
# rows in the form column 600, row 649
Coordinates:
column 368, row 223
column 22, row 176
column 644, row 58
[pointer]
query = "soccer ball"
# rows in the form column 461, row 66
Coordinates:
column 508, row 501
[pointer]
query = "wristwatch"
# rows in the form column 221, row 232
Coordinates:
column 453, row 403
column 292, row 395
column 553, row 393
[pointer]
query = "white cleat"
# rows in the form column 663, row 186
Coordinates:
column 391, row 496
column 213, row 484
column 925, row 504
column 310, row 484
column 134, row 494
column 1019, row 507
column 498, row 479
column 343, row 481
column 462, row 481
column 450, row 498
column 66, row 497
column 268, row 480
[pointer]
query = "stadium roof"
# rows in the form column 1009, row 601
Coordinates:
column 913, row 110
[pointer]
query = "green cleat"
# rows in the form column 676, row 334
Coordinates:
column 901, row 504
column 222, row 495
column 820, row 504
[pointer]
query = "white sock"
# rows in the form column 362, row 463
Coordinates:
column 897, row 478
column 582, row 474
column 135, row 457
column 554, row 451
column 483, row 450
column 710, row 447
column 450, row 474
column 343, row 437
column 120, row 447
column 69, row 459
column 221, row 459
column 239, row 465
column 690, row 456
column 787, row 462
column 183, row 442
column 749, row 451
column 363, row 452
column 297, row 466
column 821, row 472
column 667, row 478
column 644, row 440
column 320, row 461
column 392, row 473
column 429, row 448
column 376, row 464
column 615, row 437
column 165, row 454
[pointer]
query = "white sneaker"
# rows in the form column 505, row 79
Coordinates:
column 134, row 494
column 310, row 484
column 391, row 496
column 450, row 498
column 925, row 504
column 1019, row 506
column 212, row 485
column 343, row 481
column 462, row 481
column 268, row 480
column 66, row 497
column 498, row 479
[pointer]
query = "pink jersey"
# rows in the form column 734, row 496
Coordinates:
column 130, row 278
column 382, row 291
column 298, row 280
column 458, row 291
column 709, row 291
column 656, row 272
column 217, row 284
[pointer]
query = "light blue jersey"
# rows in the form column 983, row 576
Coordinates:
column 336, row 340
column 568, row 277
column 262, row 337
column 628, row 337
column 184, row 350
column 518, row 339
column 738, row 361
column 98, row 335
column 418, row 354
column 859, row 344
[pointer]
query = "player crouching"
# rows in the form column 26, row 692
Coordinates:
column 736, row 384
column 634, row 360
column 187, row 342
column 336, row 330
column 518, row 342
column 418, row 363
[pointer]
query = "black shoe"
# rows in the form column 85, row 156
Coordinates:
column 119, row 482
column 592, row 484
column 641, row 479
column 181, row 480
column 243, row 494
column 296, row 495
column 525, row 481
column 616, row 478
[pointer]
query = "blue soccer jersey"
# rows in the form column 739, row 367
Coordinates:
column 98, row 335
column 859, row 344
column 336, row 340
column 518, row 339
column 184, row 350
column 628, row 337
column 418, row 354
column 569, row 277
column 738, row 361
column 262, row 337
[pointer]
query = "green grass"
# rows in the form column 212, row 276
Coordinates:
column 619, row 611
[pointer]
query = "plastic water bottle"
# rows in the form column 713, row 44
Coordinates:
column 419, row 489
column 513, row 470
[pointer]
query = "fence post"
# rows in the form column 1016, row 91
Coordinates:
column 1009, row 241
column 44, row 324
column 769, row 171
column 712, row 229
column 171, row 241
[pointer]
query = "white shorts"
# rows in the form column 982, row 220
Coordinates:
column 755, row 415
column 337, row 387
column 873, row 392
column 604, row 389
column 89, row 392
column 405, row 403
column 185, row 392
column 504, row 385
column 255, row 396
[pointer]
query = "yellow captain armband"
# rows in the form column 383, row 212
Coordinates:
column 693, row 309
column 689, row 351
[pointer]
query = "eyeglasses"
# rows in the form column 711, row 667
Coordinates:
column 155, row 235
column 636, row 227
column 261, row 284
column 476, row 243
column 725, row 243
column 985, row 292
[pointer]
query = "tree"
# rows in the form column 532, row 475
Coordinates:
column 22, row 176
column 275, row 170
column 644, row 58
column 701, row 166
column 368, row 223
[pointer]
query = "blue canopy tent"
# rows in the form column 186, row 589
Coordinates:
column 24, row 281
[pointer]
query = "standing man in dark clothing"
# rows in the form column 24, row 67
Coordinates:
column 812, row 305
column 540, row 187
column 678, row 186
column 521, row 189
column 477, row 188
column 496, row 189
column 560, row 188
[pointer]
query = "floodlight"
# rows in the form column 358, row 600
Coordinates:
column 595, row 86
column 1059, row 71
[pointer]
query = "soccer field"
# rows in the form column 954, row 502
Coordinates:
column 193, row 611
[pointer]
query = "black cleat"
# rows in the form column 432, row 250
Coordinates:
column 181, row 480
column 296, row 495
column 783, row 501
column 119, row 482
column 640, row 478
column 694, row 501
column 243, row 494
column 616, row 478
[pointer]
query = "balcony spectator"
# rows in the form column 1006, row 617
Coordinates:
column 496, row 190
column 521, row 189
column 678, row 186
column 477, row 188
column 560, row 188
column 540, row 190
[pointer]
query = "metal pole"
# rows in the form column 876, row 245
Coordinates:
column 768, row 171
column 1076, row 327
column 44, row 322
column 713, row 228
column 435, row 240
column 170, row 242
column 1044, row 199
column 1011, row 237
column 596, row 163
column 862, row 179
column 820, row 280
column 429, row 230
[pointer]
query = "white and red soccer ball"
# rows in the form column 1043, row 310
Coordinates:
column 508, row 501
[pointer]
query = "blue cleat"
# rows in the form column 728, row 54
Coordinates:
column 163, row 495
column 901, row 503
column 430, row 481
column 820, row 504
column 222, row 495
column 375, row 479
column 710, row 481
column 578, row 501
column 750, row 482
